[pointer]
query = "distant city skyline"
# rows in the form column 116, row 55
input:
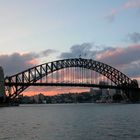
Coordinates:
column 38, row 31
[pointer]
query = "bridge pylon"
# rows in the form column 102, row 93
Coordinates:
column 2, row 86
column 134, row 92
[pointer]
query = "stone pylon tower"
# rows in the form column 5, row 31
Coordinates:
column 2, row 87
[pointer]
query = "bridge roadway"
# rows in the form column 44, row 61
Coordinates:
column 74, row 85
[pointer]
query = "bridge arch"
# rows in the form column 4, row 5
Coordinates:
column 33, row 74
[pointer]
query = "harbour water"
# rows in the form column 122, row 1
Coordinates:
column 70, row 122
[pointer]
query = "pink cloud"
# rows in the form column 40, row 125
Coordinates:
column 120, row 56
column 32, row 62
column 125, row 59
column 16, row 62
column 109, row 53
column 131, row 4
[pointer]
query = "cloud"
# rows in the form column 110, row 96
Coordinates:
column 111, row 15
column 134, row 37
column 130, row 4
column 16, row 62
column 120, row 56
column 78, row 50
column 126, row 59
column 132, row 69
column 47, row 52
column 86, row 50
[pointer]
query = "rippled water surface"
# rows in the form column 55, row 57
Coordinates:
column 70, row 122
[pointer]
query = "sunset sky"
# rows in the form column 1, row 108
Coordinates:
column 38, row 31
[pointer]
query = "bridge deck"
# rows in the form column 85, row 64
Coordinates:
column 73, row 85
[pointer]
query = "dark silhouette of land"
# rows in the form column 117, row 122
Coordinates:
column 84, row 97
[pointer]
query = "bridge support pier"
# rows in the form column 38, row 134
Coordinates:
column 134, row 95
column 2, row 87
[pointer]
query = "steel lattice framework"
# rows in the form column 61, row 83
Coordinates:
column 17, row 83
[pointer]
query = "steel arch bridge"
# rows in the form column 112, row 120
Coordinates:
column 17, row 83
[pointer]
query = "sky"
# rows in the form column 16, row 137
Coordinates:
column 39, row 31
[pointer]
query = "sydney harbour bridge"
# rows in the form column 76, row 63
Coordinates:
column 74, row 72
